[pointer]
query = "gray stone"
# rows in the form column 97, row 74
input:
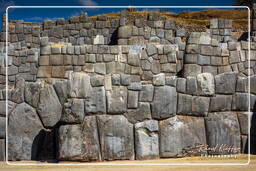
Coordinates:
column 151, row 49
column 125, row 79
column 49, row 107
column 56, row 60
column 200, row 105
column 17, row 94
column 108, row 57
column 100, row 68
column 98, row 40
column 79, row 85
column 243, row 121
column 44, row 41
column 206, row 50
column 11, row 106
column 116, row 138
column 242, row 84
column 184, row 104
column 46, row 50
column 164, row 102
column 125, row 32
column 240, row 101
column 214, row 23
column 226, row 83
column 180, row 133
column 220, row 103
column 133, row 97
column 2, row 150
column 205, row 82
column 181, row 32
column 32, row 92
column 2, row 127
column 133, row 59
column 96, row 104
column 135, row 86
column 222, row 129
column 146, row 93
column 192, row 70
column 205, row 39
column 171, row 80
column 24, row 125
column 117, row 100
column 192, row 49
column 191, row 87
column 116, row 79
column 140, row 114
column 146, row 140
column 61, row 90
column 181, row 85
column 74, row 111
column 97, row 80
column 159, row 79
column 79, row 142
column 204, row 60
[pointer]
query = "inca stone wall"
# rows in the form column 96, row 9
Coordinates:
column 134, row 87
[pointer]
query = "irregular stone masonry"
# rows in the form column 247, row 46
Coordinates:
column 97, row 89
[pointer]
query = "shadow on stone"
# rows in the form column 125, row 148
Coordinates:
column 244, row 37
column 114, row 38
column 44, row 146
column 253, row 132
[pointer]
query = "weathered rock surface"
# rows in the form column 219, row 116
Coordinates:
column 117, row 100
column 205, row 82
column 226, row 83
column 223, row 133
column 116, row 138
column 73, row 111
column 49, row 107
column 96, row 104
column 164, row 102
column 140, row 114
column 2, row 127
column 61, row 90
column 181, row 133
column 146, row 139
column 79, row 142
column 32, row 92
column 79, row 85
column 24, row 125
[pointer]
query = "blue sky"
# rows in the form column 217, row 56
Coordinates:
column 38, row 15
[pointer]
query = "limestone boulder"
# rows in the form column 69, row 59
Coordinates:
column 96, row 104
column 226, row 83
column 117, row 100
column 205, row 83
column 73, row 111
column 146, row 139
column 49, row 107
column 182, row 135
column 116, row 137
column 79, row 142
column 223, row 133
column 164, row 102
column 32, row 92
column 79, row 85
column 140, row 114
column 23, row 127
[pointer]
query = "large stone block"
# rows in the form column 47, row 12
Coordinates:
column 140, row 114
column 220, row 103
column 32, row 92
column 146, row 140
column 146, row 93
column 240, row 101
column 61, row 90
column 2, row 127
column 49, row 107
column 223, row 133
column 96, row 104
column 73, row 111
column 125, row 32
column 182, row 135
column 2, row 150
column 133, row 98
column 164, row 102
column 117, row 100
column 79, row 85
column 226, row 83
column 205, row 82
column 243, row 118
column 184, row 104
column 24, row 126
column 79, row 142
column 116, row 138
column 200, row 105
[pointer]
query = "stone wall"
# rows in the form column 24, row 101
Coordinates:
column 95, row 89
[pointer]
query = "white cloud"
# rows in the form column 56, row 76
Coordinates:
column 88, row 2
